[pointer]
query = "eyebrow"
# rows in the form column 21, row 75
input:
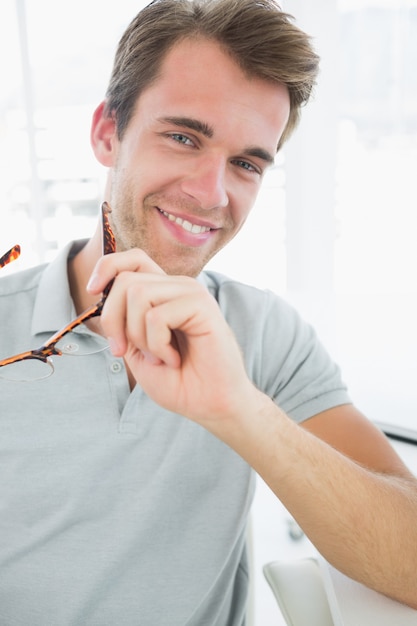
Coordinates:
column 260, row 153
column 208, row 131
column 191, row 123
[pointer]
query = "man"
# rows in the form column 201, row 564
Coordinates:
column 128, row 474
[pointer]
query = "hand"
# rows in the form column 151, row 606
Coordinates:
column 173, row 337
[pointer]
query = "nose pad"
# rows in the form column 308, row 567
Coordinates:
column 207, row 185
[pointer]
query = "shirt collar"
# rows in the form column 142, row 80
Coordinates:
column 54, row 307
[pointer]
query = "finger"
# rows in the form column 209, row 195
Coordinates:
column 126, row 306
column 111, row 265
column 130, row 306
column 162, row 344
column 172, row 325
column 113, row 318
column 125, row 295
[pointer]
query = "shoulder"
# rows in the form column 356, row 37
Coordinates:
column 231, row 294
column 243, row 304
column 263, row 322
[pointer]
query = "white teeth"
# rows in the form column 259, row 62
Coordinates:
column 186, row 225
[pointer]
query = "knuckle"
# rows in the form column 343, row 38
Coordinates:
column 153, row 316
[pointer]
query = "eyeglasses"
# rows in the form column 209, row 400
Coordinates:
column 37, row 364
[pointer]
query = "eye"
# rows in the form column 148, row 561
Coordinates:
column 245, row 165
column 180, row 138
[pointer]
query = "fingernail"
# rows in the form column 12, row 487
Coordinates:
column 114, row 346
column 92, row 283
column 153, row 360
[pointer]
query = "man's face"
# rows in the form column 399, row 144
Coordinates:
column 189, row 166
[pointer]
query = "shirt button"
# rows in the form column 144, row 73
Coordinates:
column 116, row 367
column 70, row 347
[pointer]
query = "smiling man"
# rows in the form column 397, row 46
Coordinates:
column 188, row 168
column 128, row 475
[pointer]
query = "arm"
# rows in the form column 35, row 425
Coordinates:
column 351, row 494
column 337, row 475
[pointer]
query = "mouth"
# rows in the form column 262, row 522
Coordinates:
column 189, row 227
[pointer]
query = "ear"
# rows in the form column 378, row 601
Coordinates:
column 103, row 136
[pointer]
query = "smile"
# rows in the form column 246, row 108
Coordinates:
column 185, row 224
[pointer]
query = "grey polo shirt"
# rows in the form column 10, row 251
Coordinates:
column 114, row 511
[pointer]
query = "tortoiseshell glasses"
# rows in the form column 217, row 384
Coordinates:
column 37, row 364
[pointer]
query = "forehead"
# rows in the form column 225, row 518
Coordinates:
column 198, row 78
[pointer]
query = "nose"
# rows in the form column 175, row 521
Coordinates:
column 206, row 182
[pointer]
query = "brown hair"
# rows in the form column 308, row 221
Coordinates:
column 257, row 34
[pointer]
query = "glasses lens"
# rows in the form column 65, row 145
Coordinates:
column 26, row 371
column 80, row 344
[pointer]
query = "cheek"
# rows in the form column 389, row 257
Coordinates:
column 242, row 204
column 131, row 178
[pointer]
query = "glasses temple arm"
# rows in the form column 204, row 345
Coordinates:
column 10, row 256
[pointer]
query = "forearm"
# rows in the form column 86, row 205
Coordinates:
column 363, row 522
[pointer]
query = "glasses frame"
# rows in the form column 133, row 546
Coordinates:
column 10, row 256
column 49, row 349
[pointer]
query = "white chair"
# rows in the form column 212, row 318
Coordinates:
column 310, row 592
column 298, row 588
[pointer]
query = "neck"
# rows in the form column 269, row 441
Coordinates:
column 80, row 268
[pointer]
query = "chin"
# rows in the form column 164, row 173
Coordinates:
column 182, row 268
column 182, row 271
column 181, row 264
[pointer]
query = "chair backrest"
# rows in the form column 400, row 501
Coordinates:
column 310, row 592
column 298, row 588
